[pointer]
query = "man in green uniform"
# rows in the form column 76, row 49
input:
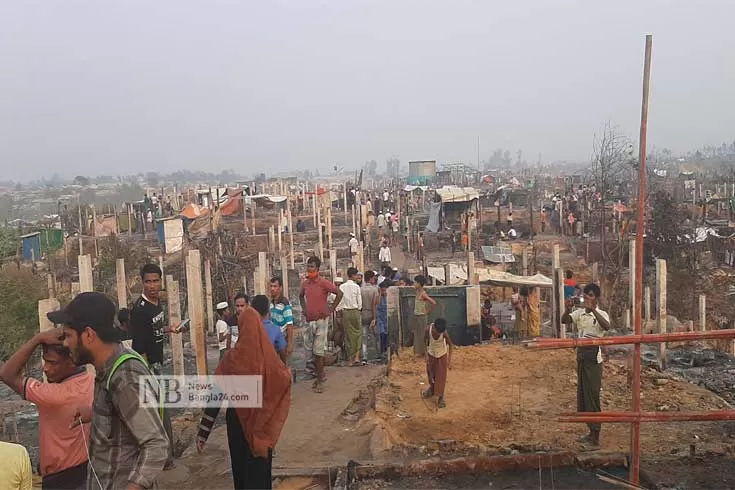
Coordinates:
column 589, row 322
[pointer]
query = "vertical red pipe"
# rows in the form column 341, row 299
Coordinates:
column 635, row 432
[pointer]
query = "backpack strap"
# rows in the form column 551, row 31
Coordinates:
column 125, row 357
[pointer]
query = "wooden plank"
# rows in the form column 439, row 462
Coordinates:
column 631, row 280
column 284, row 276
column 290, row 237
column 121, row 283
column 702, row 312
column 85, row 273
column 51, row 286
column 195, row 295
column 361, row 257
column 471, row 275
column 263, row 272
column 319, row 232
column 333, row 263
column 329, row 227
column 560, row 302
column 661, row 306
column 208, row 295
column 174, row 317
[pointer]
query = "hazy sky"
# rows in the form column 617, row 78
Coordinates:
column 103, row 86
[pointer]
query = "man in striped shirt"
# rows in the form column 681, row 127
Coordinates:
column 281, row 312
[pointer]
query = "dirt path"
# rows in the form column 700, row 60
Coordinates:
column 506, row 397
column 316, row 433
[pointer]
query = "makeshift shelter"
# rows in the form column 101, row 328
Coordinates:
column 500, row 278
column 267, row 201
column 31, row 246
column 489, row 277
column 232, row 206
column 452, row 202
column 105, row 226
column 170, row 234
column 196, row 220
column 498, row 255
column 51, row 239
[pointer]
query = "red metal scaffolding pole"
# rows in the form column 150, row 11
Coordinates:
column 629, row 417
column 651, row 338
column 635, row 432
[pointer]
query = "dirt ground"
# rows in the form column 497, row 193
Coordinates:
column 507, row 397
column 559, row 478
column 322, row 430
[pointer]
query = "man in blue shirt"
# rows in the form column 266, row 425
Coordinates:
column 262, row 306
column 281, row 312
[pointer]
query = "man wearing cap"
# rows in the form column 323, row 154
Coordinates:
column 148, row 329
column 128, row 445
column 354, row 246
column 63, row 453
column 223, row 329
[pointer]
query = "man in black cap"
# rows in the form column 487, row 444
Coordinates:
column 128, row 444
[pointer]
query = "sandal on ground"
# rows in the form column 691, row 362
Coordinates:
column 585, row 438
column 428, row 393
column 440, row 403
column 588, row 441
column 318, row 387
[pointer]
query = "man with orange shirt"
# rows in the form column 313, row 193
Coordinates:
column 317, row 309
column 69, row 388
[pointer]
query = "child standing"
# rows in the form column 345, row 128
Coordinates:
column 438, row 360
column 422, row 308
column 382, row 309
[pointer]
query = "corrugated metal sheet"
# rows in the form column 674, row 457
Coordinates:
column 458, row 194
column 31, row 246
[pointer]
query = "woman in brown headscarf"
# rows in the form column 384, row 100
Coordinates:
column 252, row 433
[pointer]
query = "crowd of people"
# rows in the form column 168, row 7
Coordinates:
column 94, row 432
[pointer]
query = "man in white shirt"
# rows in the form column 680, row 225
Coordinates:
column 223, row 330
column 590, row 322
column 350, row 306
column 354, row 246
column 384, row 255
column 381, row 224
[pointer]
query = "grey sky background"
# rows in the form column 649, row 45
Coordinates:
column 93, row 87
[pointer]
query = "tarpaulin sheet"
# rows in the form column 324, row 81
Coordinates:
column 233, row 205
column 199, row 227
column 192, row 211
column 173, row 230
column 458, row 274
column 434, row 212
column 500, row 278
column 104, row 226
column 498, row 255
column 458, row 194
